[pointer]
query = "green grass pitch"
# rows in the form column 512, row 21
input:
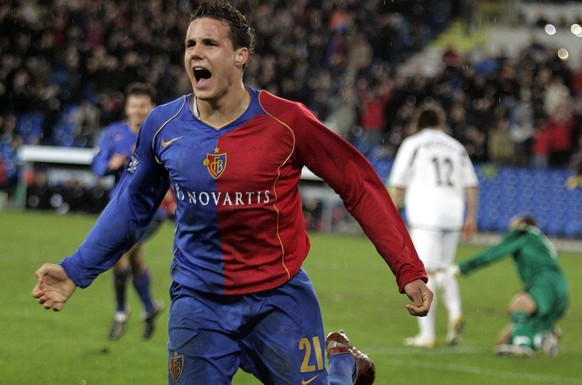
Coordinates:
column 357, row 293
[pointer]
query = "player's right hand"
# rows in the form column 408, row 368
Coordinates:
column 117, row 161
column 53, row 287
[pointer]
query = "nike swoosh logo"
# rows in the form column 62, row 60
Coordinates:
column 304, row 382
column 166, row 144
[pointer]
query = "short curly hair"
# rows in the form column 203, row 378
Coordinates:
column 241, row 33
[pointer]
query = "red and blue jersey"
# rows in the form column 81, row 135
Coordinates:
column 239, row 220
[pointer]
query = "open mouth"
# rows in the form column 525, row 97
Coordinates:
column 201, row 74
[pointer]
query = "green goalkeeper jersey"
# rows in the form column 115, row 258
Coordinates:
column 532, row 252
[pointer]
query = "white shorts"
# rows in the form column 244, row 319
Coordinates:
column 436, row 248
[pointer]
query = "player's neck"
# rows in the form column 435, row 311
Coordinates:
column 133, row 127
column 218, row 113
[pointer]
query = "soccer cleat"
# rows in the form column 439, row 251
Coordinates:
column 513, row 350
column 420, row 342
column 119, row 325
column 150, row 318
column 455, row 334
column 338, row 342
column 550, row 342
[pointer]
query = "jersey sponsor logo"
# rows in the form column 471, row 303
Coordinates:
column 215, row 163
column 219, row 198
column 133, row 162
column 176, row 366
column 166, row 144
column 305, row 382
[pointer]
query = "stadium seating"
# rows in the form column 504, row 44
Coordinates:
column 507, row 191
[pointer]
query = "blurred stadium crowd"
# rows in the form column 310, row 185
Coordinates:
column 64, row 65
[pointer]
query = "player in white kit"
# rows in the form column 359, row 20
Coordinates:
column 435, row 177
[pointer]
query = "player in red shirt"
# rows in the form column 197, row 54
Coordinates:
column 233, row 156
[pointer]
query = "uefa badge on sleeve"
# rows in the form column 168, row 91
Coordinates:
column 133, row 162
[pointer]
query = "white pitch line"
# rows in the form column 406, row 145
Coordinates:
column 489, row 372
column 453, row 350
column 464, row 349
column 408, row 351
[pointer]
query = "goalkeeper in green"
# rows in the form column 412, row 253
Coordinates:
column 542, row 301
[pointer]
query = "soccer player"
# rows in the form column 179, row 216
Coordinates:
column 435, row 179
column 115, row 148
column 544, row 297
column 233, row 156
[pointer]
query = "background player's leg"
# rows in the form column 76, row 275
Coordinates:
column 448, row 287
column 142, row 279
column 520, row 309
column 142, row 284
column 428, row 245
column 522, row 333
column 427, row 324
column 141, row 276
column 121, row 273
column 451, row 296
column 120, row 278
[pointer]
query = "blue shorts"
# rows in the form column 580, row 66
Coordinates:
column 276, row 335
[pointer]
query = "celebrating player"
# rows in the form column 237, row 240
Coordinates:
column 233, row 156
column 115, row 148
column 434, row 175
column 543, row 300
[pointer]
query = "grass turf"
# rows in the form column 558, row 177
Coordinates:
column 356, row 289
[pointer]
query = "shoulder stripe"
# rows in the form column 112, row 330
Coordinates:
column 275, row 184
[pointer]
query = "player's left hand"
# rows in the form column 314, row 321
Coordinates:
column 54, row 287
column 421, row 297
column 469, row 229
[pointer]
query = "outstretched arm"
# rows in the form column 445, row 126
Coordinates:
column 137, row 195
column 421, row 298
column 509, row 244
column 54, row 287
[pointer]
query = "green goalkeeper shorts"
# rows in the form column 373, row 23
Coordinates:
column 551, row 294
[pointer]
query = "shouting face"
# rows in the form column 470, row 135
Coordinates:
column 211, row 62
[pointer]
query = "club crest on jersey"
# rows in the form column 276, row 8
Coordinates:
column 215, row 163
column 176, row 366
column 133, row 162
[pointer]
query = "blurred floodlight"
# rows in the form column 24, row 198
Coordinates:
column 576, row 29
column 550, row 29
column 563, row 54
